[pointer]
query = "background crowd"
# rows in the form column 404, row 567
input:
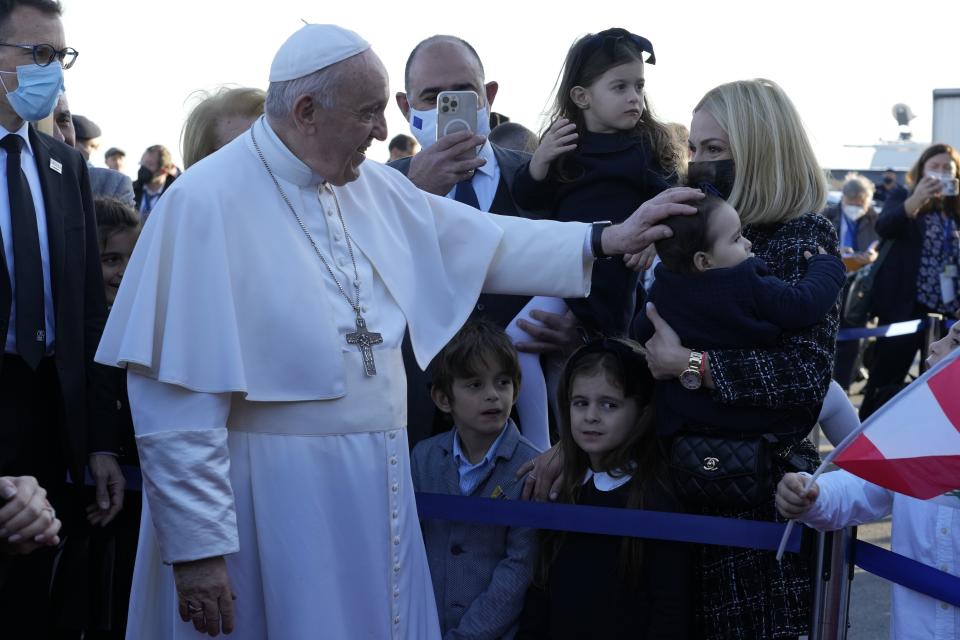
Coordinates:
column 535, row 396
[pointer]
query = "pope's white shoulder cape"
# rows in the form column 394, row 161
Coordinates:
column 221, row 292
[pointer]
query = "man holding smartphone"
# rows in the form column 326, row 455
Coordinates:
column 465, row 166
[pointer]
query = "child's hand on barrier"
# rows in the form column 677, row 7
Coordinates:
column 792, row 501
column 560, row 138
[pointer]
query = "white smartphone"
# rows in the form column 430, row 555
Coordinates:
column 456, row 111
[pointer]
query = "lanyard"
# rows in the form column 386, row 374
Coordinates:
column 949, row 236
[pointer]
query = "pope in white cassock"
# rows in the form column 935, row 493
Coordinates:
column 260, row 321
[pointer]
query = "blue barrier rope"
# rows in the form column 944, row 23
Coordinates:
column 895, row 329
column 660, row 525
column 907, row 572
column 732, row 532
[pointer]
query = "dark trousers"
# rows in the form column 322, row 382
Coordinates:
column 845, row 362
column 31, row 443
column 892, row 358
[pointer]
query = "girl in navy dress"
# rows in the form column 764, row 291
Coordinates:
column 600, row 586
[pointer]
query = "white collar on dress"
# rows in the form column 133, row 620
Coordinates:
column 282, row 162
column 603, row 481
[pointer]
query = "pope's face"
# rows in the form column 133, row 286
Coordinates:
column 345, row 131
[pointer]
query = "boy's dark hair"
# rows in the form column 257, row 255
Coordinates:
column 113, row 216
column 479, row 344
column 50, row 7
column 690, row 234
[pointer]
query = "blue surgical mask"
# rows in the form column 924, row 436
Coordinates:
column 37, row 93
column 423, row 125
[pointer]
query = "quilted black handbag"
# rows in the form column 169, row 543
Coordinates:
column 734, row 473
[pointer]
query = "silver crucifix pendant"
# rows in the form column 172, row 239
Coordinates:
column 365, row 340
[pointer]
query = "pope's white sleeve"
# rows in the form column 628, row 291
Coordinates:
column 847, row 500
column 182, row 441
column 541, row 257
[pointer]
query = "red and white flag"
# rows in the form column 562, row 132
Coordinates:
column 911, row 445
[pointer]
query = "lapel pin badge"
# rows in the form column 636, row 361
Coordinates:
column 56, row 166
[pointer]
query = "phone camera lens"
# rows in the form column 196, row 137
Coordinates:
column 454, row 104
column 444, row 108
column 445, row 99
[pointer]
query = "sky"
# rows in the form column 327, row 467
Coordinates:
column 844, row 63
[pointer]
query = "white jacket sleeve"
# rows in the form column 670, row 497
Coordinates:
column 541, row 257
column 847, row 500
column 182, row 441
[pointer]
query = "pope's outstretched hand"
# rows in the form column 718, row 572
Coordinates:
column 644, row 227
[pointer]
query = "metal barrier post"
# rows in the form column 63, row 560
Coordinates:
column 933, row 332
column 831, row 595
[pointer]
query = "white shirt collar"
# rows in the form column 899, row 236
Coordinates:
column 22, row 132
column 461, row 458
column 282, row 161
column 603, row 481
column 486, row 152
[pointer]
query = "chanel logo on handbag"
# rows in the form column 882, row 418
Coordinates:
column 711, row 464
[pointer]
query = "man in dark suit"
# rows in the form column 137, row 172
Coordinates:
column 157, row 172
column 56, row 412
column 451, row 166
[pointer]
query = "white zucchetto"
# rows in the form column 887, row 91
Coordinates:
column 314, row 47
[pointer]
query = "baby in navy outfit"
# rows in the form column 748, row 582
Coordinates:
column 716, row 295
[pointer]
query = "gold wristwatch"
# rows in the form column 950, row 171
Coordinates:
column 692, row 376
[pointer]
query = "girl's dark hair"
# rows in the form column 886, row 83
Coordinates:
column 113, row 216
column 589, row 58
column 479, row 345
column 949, row 204
column 625, row 367
column 691, row 233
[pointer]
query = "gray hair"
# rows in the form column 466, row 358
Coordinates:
column 320, row 85
column 856, row 186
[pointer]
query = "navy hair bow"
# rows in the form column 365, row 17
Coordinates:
column 608, row 41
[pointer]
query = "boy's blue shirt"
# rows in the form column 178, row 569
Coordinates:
column 471, row 475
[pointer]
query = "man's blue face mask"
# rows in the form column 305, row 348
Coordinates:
column 36, row 95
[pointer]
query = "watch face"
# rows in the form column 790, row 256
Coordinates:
column 690, row 379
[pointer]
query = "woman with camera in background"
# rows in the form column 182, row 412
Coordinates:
column 919, row 275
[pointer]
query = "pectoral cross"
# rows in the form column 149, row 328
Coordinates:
column 365, row 340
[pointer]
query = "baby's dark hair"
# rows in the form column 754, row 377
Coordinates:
column 479, row 345
column 113, row 216
column 691, row 233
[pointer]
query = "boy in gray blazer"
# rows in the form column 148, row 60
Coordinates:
column 480, row 572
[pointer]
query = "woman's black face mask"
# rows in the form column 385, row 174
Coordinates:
column 718, row 173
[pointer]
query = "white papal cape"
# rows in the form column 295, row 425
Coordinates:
column 260, row 437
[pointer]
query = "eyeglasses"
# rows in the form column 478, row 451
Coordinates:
column 44, row 54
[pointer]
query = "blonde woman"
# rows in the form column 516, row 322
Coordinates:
column 217, row 119
column 749, row 137
column 748, row 141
